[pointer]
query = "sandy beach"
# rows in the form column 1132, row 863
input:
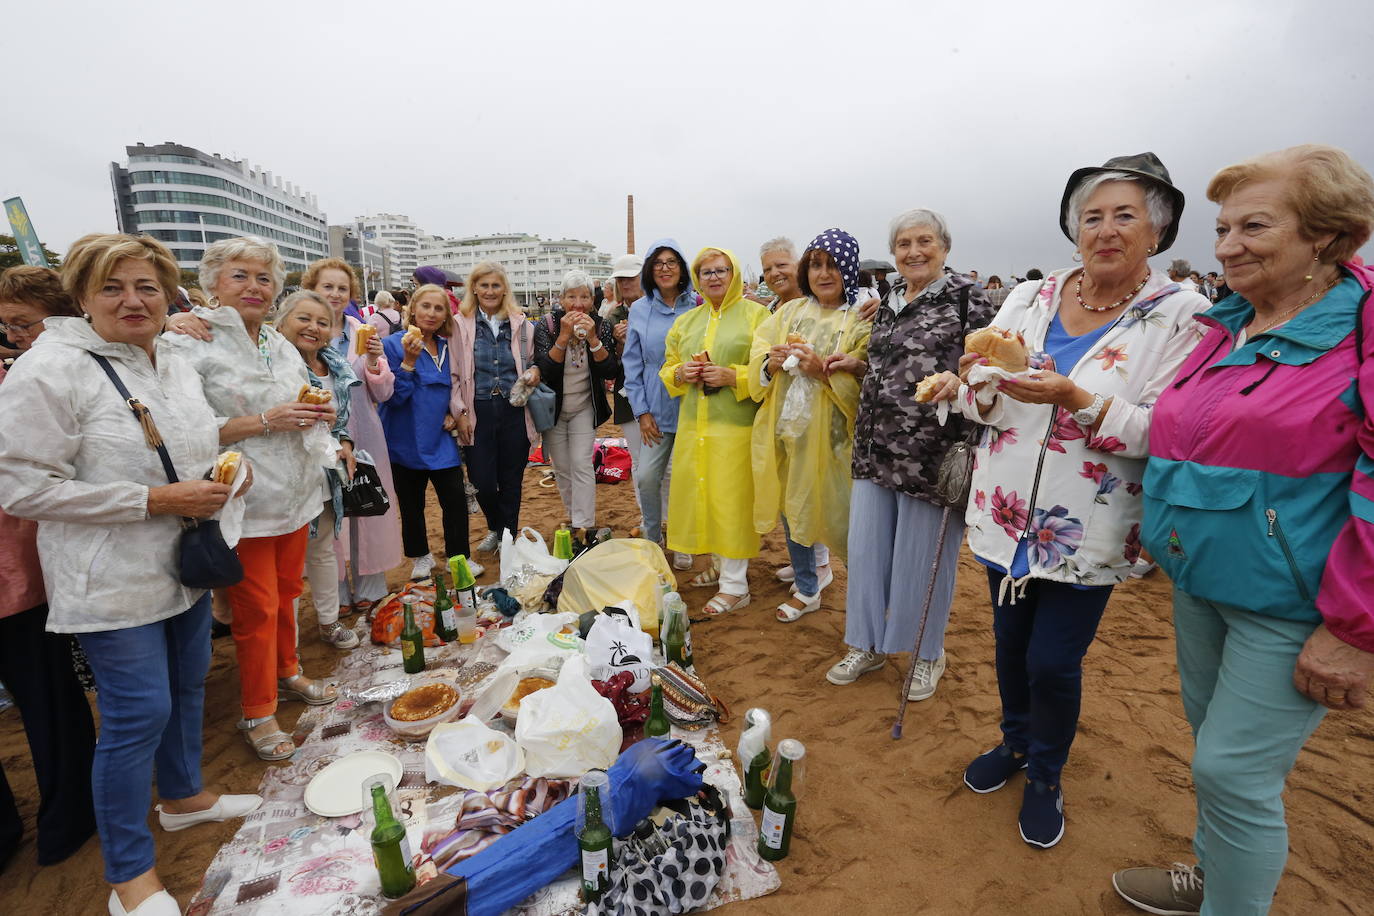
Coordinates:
column 884, row 826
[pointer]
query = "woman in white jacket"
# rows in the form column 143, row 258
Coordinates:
column 1055, row 507
column 73, row 457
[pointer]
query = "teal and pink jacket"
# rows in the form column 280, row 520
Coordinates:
column 1259, row 492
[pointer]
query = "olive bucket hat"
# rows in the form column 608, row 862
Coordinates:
column 1145, row 165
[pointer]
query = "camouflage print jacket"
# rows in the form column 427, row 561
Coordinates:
column 898, row 443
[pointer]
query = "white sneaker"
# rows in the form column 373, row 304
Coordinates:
column 855, row 664
column 489, row 543
column 475, row 568
column 787, row 574
column 338, row 635
column 682, row 561
column 926, row 677
column 422, row 567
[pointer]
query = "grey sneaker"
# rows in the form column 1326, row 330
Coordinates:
column 855, row 664
column 338, row 635
column 926, row 678
column 475, row 568
column 1173, row 891
column 421, row 567
column 489, row 543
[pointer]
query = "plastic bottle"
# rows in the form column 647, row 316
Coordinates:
column 593, row 836
column 445, row 620
column 657, row 725
column 754, row 756
column 390, row 848
column 412, row 639
column 780, row 804
column 466, row 588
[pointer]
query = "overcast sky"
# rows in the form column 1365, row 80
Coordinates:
column 729, row 122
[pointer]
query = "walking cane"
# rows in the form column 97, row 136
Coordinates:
column 921, row 629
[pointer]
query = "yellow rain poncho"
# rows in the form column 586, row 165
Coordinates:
column 711, row 499
column 804, row 432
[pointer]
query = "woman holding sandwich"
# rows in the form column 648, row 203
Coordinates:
column 73, row 457
column 1055, row 508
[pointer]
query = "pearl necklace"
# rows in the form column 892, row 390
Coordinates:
column 1078, row 292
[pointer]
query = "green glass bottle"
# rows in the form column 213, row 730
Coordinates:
column 677, row 633
column 755, row 756
column 594, row 838
column 390, row 848
column 780, row 804
column 445, row 619
column 657, row 725
column 412, row 639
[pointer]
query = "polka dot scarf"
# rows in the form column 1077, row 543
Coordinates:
column 845, row 250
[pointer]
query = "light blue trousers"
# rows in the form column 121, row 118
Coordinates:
column 1249, row 722
column 653, row 477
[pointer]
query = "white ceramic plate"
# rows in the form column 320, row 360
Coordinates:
column 337, row 790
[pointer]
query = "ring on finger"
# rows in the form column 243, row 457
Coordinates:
column 301, row 424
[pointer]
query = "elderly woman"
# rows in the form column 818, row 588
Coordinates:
column 252, row 378
column 804, row 430
column 35, row 665
column 1270, row 546
column 895, row 508
column 493, row 346
column 1055, row 508
column 421, row 431
column 626, row 289
column 575, row 351
column 308, row 323
column 706, row 366
column 668, row 295
column 74, row 458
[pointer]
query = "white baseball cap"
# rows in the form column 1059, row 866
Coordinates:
column 627, row 265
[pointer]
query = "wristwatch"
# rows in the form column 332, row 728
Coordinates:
column 1087, row 416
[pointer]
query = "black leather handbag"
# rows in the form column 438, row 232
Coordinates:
column 364, row 495
column 205, row 560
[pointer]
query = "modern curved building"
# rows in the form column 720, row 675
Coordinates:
column 188, row 199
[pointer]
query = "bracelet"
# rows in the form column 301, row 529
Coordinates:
column 265, row 427
column 596, row 349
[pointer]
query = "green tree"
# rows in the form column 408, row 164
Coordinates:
column 190, row 278
column 10, row 256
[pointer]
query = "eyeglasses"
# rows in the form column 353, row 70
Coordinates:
column 715, row 272
column 8, row 329
column 664, row 265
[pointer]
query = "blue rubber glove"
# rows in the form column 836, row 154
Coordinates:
column 535, row 854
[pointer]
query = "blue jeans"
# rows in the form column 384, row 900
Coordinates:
column 1041, row 641
column 1235, row 668
column 650, row 477
column 150, row 687
column 803, row 563
column 496, row 461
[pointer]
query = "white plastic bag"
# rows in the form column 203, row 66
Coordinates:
column 569, row 728
column 230, row 514
column 539, row 642
column 470, row 755
column 614, row 645
column 527, row 550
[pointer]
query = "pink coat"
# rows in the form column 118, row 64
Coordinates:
column 460, row 365
column 379, row 537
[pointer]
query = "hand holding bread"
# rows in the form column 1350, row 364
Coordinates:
column 362, row 337
column 1001, row 348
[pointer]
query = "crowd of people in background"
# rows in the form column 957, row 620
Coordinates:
column 1156, row 414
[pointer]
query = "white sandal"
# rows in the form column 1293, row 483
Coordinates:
column 797, row 607
column 721, row 603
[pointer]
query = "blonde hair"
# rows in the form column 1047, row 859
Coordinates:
column 448, row 328
column 509, row 307
column 299, row 298
column 311, row 278
column 247, row 248
column 94, row 257
column 1328, row 190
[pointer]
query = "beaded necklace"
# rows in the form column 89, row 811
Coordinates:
column 1078, row 292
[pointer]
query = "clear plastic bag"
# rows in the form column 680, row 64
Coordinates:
column 797, row 406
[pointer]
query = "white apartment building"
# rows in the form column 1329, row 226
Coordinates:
column 535, row 266
column 188, row 200
column 398, row 233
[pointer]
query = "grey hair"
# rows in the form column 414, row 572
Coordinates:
column 781, row 243
column 247, row 248
column 384, row 300
column 576, row 278
column 299, row 297
column 1157, row 203
column 918, row 217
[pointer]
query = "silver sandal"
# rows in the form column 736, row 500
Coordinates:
column 311, row 691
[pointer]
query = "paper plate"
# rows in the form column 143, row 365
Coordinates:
column 337, row 790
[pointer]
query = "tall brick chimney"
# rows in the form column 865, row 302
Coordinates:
column 629, row 224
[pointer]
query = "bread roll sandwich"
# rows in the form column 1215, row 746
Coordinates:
column 795, row 338
column 926, row 388
column 361, row 337
column 312, row 395
column 412, row 333
column 702, row 357
column 226, row 466
column 1003, row 349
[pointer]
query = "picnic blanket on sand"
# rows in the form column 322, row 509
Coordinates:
column 287, row 860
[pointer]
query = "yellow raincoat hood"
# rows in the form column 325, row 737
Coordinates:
column 735, row 292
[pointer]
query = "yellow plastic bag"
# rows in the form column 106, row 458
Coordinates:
column 615, row 571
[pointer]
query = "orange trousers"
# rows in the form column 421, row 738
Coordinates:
column 264, row 624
